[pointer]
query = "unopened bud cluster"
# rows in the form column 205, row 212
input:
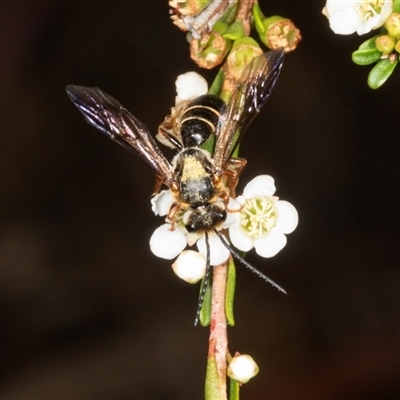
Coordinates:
column 211, row 39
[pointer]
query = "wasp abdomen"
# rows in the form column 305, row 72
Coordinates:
column 199, row 121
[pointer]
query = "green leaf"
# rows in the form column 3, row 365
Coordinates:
column 258, row 18
column 396, row 6
column 366, row 57
column 211, row 387
column 205, row 312
column 233, row 389
column 368, row 44
column 230, row 293
column 381, row 72
column 216, row 86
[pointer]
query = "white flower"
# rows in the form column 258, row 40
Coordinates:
column 190, row 266
column 167, row 243
column 242, row 368
column 218, row 252
column 189, row 86
column 263, row 220
column 349, row 16
column 170, row 239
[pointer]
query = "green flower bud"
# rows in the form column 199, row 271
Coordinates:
column 397, row 46
column 393, row 24
column 279, row 32
column 220, row 27
column 243, row 51
column 385, row 43
column 210, row 50
column 242, row 368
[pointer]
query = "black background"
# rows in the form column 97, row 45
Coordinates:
column 86, row 310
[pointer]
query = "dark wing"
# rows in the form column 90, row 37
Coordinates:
column 253, row 90
column 109, row 116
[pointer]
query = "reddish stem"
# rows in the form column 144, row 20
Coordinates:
column 218, row 342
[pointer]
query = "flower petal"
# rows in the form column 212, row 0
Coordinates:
column 162, row 202
column 167, row 244
column 345, row 21
column 190, row 266
column 218, row 252
column 270, row 245
column 288, row 218
column 260, row 186
column 239, row 239
column 233, row 214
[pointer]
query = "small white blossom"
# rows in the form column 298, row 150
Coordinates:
column 189, row 86
column 242, row 368
column 170, row 239
column 361, row 16
column 162, row 202
column 167, row 243
column 263, row 220
column 218, row 252
column 190, row 266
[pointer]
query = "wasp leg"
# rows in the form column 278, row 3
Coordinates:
column 235, row 167
column 172, row 215
column 157, row 185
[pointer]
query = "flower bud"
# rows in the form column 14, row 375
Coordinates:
column 188, row 7
column 393, row 24
column 385, row 43
column 242, row 368
column 182, row 9
column 397, row 46
column 209, row 50
column 189, row 86
column 243, row 51
column 190, row 266
column 279, row 32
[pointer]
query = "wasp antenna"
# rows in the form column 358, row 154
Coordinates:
column 205, row 281
column 247, row 264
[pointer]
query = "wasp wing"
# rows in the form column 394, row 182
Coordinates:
column 253, row 90
column 109, row 116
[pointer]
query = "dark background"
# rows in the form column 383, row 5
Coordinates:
column 87, row 312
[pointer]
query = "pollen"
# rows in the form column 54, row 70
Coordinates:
column 258, row 216
column 193, row 169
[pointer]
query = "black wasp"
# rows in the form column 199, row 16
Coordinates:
column 201, row 182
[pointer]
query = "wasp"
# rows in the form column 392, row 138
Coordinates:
column 201, row 181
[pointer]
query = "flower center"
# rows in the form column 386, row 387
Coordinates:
column 258, row 216
column 370, row 8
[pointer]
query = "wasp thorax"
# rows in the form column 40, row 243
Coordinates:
column 200, row 119
column 194, row 172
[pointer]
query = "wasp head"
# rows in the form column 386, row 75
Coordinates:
column 204, row 218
